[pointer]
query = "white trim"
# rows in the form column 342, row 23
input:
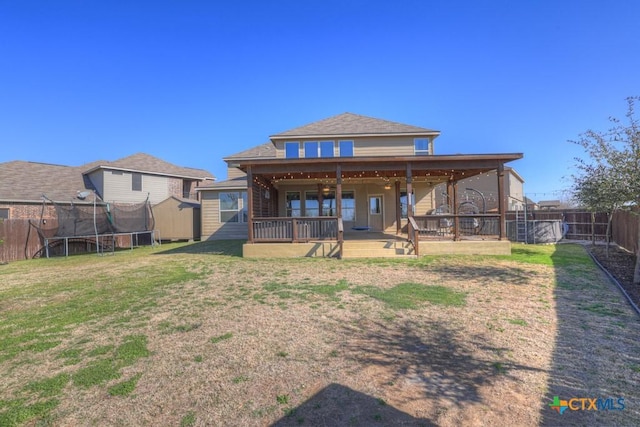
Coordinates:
column 285, row 149
column 382, row 213
column 238, row 211
column 427, row 152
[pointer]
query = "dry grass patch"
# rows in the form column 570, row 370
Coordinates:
column 208, row 338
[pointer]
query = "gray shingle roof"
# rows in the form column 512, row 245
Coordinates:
column 353, row 124
column 28, row 181
column 264, row 151
column 239, row 183
column 142, row 162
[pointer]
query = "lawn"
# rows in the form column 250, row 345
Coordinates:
column 193, row 334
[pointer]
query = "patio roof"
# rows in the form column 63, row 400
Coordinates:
column 440, row 167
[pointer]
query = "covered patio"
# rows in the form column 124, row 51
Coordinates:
column 271, row 220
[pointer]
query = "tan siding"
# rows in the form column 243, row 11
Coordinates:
column 366, row 146
column 212, row 229
column 235, row 173
column 383, row 146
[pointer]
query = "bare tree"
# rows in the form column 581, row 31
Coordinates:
column 609, row 178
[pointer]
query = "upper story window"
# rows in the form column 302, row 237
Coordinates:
column 292, row 150
column 421, row 146
column 136, row 182
column 326, row 148
column 346, row 148
column 313, row 149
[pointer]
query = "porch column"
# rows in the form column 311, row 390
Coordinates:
column 454, row 207
column 339, row 191
column 320, row 199
column 398, row 209
column 409, row 192
column 501, row 207
column 250, row 204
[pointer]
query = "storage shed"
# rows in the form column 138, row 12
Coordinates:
column 177, row 219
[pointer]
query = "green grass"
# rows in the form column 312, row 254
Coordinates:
column 601, row 309
column 49, row 387
column 95, row 373
column 188, row 420
column 86, row 299
column 124, row 388
column 411, row 295
column 520, row 322
column 222, row 337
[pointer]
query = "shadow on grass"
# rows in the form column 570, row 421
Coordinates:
column 211, row 247
column 433, row 358
column 467, row 272
column 596, row 350
column 338, row 405
column 418, row 361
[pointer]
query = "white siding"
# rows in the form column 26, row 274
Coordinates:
column 117, row 188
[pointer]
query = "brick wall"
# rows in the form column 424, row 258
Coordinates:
column 29, row 211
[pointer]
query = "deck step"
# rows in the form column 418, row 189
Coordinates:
column 377, row 249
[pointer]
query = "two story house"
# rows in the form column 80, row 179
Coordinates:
column 310, row 189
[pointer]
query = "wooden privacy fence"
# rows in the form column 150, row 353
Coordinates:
column 624, row 229
column 18, row 243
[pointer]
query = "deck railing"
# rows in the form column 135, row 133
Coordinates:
column 285, row 229
column 458, row 227
column 414, row 235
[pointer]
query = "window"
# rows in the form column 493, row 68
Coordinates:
column 292, row 150
column 313, row 149
column 310, row 149
column 421, row 146
column 136, row 182
column 404, row 206
column 329, row 203
column 293, row 204
column 348, row 206
column 326, row 148
column 375, row 205
column 4, row 213
column 311, row 205
column 346, row 148
column 233, row 207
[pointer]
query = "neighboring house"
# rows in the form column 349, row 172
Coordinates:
column 128, row 180
column 334, row 179
column 549, row 204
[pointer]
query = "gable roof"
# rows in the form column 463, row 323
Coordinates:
column 347, row 124
column 146, row 163
column 22, row 181
column 264, row 151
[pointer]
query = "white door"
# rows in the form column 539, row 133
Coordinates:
column 376, row 212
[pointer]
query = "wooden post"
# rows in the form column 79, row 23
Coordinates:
column 409, row 192
column 320, row 199
column 398, row 209
column 501, row 207
column 339, row 191
column 454, row 207
column 250, row 204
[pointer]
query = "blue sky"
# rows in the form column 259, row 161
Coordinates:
column 193, row 81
